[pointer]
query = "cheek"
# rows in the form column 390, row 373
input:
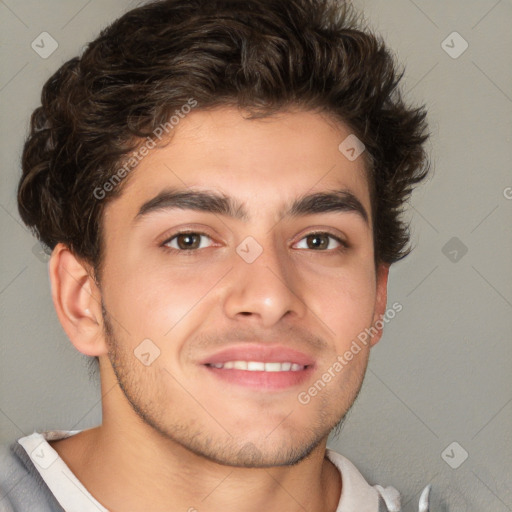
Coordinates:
column 151, row 300
column 346, row 304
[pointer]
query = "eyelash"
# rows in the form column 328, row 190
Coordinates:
column 343, row 245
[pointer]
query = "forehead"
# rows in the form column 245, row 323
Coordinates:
column 263, row 163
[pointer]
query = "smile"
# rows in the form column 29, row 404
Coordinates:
column 259, row 366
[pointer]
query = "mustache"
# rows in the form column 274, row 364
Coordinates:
column 290, row 336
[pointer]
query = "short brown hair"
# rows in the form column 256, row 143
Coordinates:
column 263, row 56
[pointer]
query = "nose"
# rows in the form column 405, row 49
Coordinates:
column 264, row 290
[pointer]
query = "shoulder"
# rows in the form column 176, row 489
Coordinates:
column 12, row 474
column 21, row 487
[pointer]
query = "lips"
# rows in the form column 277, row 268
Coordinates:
column 260, row 367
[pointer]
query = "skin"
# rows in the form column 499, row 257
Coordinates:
column 172, row 434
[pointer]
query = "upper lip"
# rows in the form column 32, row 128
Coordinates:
column 262, row 353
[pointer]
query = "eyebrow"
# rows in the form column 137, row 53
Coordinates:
column 212, row 202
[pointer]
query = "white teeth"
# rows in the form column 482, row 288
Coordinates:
column 272, row 367
column 258, row 366
column 254, row 366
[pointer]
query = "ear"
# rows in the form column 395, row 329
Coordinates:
column 380, row 299
column 77, row 301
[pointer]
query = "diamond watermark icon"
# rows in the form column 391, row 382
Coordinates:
column 351, row 147
column 454, row 250
column 454, row 455
column 146, row 352
column 249, row 250
column 44, row 45
column 44, row 455
column 454, row 45
column 250, row 453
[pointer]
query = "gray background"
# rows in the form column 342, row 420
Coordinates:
column 442, row 371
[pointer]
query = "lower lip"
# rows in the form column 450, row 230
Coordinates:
column 262, row 380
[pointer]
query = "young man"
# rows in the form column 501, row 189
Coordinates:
column 221, row 184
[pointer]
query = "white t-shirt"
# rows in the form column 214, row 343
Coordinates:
column 357, row 495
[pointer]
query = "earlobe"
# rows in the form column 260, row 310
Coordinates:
column 380, row 300
column 77, row 301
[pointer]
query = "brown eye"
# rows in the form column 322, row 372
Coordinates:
column 321, row 242
column 317, row 241
column 187, row 241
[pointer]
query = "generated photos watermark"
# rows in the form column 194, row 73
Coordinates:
column 363, row 338
column 135, row 158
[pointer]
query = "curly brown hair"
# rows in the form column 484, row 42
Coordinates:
column 262, row 56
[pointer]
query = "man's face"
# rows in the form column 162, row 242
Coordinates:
column 262, row 284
